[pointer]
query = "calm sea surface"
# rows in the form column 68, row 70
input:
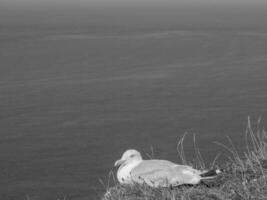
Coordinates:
column 73, row 98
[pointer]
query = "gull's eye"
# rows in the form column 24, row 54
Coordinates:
column 131, row 156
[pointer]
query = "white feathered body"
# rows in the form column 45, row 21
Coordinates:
column 157, row 173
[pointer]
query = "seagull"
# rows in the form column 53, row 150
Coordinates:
column 157, row 173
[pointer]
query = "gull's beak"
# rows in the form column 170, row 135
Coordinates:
column 118, row 163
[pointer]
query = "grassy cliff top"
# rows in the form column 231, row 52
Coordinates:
column 242, row 178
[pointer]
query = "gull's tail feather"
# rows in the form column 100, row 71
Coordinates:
column 210, row 174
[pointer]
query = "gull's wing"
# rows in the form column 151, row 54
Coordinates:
column 161, row 173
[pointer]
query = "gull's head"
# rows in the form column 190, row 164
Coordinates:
column 129, row 156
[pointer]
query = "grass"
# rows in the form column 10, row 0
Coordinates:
column 242, row 178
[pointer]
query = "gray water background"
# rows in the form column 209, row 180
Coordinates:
column 78, row 89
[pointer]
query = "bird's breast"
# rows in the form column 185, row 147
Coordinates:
column 124, row 173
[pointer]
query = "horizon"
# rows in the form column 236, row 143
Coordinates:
column 64, row 12
column 95, row 4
